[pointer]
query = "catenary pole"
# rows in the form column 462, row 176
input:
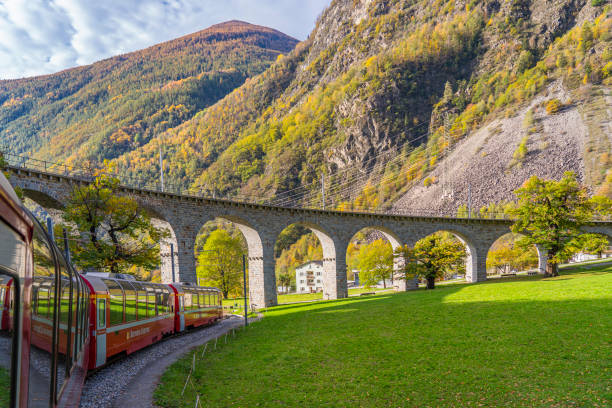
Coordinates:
column 246, row 320
column 323, row 191
column 161, row 168
column 172, row 262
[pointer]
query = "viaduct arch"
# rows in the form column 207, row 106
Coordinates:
column 261, row 225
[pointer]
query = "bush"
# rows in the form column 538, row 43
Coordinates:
column 520, row 153
column 553, row 106
column 525, row 61
column 528, row 120
column 428, row 181
column 597, row 3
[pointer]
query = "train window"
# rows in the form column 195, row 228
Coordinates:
column 64, row 344
column 194, row 300
column 75, row 313
column 115, row 303
column 159, row 296
column 76, row 324
column 42, row 322
column 83, row 311
column 101, row 312
column 7, row 338
column 12, row 265
column 152, row 298
column 142, row 304
column 44, row 297
column 188, row 300
column 130, row 301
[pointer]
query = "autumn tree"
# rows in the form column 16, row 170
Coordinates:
column 550, row 214
column 220, row 262
column 507, row 254
column 375, row 262
column 589, row 243
column 112, row 232
column 437, row 254
column 284, row 280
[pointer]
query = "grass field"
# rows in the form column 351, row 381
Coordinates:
column 298, row 297
column 517, row 342
column 5, row 383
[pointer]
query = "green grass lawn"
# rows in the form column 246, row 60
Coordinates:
column 298, row 297
column 524, row 341
column 5, row 384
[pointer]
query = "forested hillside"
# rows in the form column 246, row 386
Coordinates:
column 382, row 91
column 114, row 106
column 396, row 104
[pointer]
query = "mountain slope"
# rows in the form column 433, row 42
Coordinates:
column 105, row 109
column 382, row 92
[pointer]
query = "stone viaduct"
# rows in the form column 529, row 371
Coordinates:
column 260, row 224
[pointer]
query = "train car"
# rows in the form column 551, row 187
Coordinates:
column 55, row 324
column 195, row 306
column 126, row 316
column 44, row 337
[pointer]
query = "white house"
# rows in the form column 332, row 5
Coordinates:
column 309, row 277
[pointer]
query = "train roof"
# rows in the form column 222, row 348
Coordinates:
column 185, row 285
column 99, row 283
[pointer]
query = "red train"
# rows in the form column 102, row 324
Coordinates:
column 56, row 325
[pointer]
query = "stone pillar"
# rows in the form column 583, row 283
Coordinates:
column 334, row 278
column 183, row 240
column 166, row 261
column 399, row 281
column 334, row 266
column 185, row 259
column 542, row 258
column 476, row 263
column 262, row 279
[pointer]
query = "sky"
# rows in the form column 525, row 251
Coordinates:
column 45, row 36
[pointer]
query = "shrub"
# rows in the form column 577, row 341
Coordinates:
column 597, row 3
column 520, row 153
column 428, row 181
column 607, row 70
column 553, row 106
column 528, row 120
column 525, row 61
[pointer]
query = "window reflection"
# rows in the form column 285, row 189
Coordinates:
column 43, row 306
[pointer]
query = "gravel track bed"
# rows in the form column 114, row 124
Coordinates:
column 103, row 388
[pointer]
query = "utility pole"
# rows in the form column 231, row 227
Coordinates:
column 161, row 168
column 246, row 320
column 172, row 262
column 323, row 191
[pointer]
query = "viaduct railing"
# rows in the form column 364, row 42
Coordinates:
column 16, row 161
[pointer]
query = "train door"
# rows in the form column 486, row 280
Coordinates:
column 181, row 298
column 101, row 317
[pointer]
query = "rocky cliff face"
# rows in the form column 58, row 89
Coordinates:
column 483, row 168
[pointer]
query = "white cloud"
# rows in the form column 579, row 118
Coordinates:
column 44, row 36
